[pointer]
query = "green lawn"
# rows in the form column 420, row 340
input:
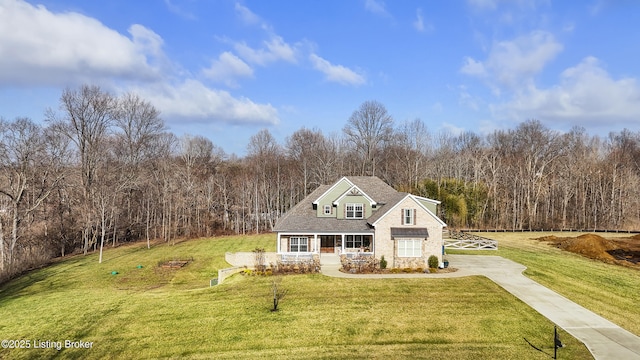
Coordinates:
column 611, row 291
column 155, row 313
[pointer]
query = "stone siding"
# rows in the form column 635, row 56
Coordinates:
column 388, row 247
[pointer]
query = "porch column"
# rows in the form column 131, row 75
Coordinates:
column 278, row 244
column 316, row 244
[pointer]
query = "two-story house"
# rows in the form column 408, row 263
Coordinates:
column 363, row 214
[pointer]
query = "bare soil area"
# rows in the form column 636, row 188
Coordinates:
column 621, row 251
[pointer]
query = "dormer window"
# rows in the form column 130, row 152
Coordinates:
column 327, row 209
column 354, row 211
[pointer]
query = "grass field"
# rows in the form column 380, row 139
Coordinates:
column 609, row 290
column 151, row 312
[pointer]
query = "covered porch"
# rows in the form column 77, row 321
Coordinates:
column 326, row 243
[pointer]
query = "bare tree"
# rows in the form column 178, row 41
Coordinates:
column 265, row 159
column 140, row 125
column 311, row 154
column 278, row 292
column 87, row 116
column 409, row 150
column 369, row 129
column 28, row 174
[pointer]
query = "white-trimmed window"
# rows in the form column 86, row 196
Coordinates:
column 410, row 248
column 408, row 216
column 357, row 241
column 299, row 244
column 327, row 209
column 354, row 211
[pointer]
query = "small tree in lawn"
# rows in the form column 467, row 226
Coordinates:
column 259, row 259
column 278, row 292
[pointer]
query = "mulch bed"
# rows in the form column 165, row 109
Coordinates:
column 401, row 271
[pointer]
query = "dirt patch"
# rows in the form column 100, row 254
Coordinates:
column 174, row 264
column 622, row 251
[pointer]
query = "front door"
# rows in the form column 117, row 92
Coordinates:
column 327, row 243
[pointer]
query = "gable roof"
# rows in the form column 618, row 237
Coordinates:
column 375, row 189
column 427, row 199
column 354, row 190
column 401, row 197
column 328, row 189
column 303, row 217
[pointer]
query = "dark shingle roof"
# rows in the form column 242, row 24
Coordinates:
column 409, row 232
column 379, row 190
column 302, row 217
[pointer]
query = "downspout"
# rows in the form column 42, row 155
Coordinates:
column 393, row 261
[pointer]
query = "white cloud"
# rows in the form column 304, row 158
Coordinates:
column 336, row 73
column 247, row 16
column 419, row 24
column 273, row 50
column 493, row 4
column 192, row 100
column 596, row 7
column 451, row 129
column 467, row 100
column 473, row 68
column 377, row 7
column 179, row 10
column 65, row 48
column 146, row 40
column 227, row 68
column 586, row 93
column 514, row 63
column 484, row 4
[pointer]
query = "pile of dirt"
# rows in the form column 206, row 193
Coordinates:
column 551, row 238
column 623, row 251
column 591, row 246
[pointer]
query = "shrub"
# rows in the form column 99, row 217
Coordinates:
column 395, row 271
column 359, row 264
column 300, row 267
column 383, row 263
column 433, row 262
column 258, row 259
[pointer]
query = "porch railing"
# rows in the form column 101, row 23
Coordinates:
column 291, row 258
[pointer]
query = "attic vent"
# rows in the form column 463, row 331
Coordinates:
column 355, row 191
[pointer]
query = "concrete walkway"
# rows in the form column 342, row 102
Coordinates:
column 603, row 338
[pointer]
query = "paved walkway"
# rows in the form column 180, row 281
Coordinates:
column 603, row 338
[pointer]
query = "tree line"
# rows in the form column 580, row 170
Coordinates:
column 103, row 169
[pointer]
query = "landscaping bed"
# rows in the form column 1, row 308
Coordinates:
column 372, row 265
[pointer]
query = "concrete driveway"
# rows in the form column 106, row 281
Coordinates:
column 603, row 338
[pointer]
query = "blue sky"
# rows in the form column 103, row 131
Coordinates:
column 226, row 69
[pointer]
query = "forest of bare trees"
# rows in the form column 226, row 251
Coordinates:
column 102, row 170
